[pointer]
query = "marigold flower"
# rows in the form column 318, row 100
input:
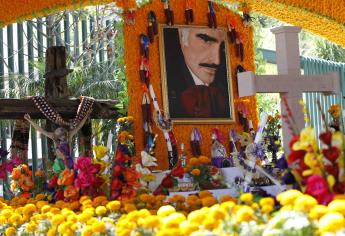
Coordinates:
column 10, row 231
column 101, row 210
column 129, row 207
column 195, row 172
column 193, row 161
column 331, row 222
column 337, row 205
column 113, row 205
column 209, row 201
column 305, row 203
column 266, row 201
column 39, row 173
column 67, row 177
column 318, row 211
column 204, row 193
column 98, row 227
column 247, row 198
column 173, row 220
column 244, row 213
column 57, row 220
column 151, row 221
column 204, row 160
column 29, row 209
column 165, row 210
column 288, row 197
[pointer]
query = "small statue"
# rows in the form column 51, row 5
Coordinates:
column 62, row 138
column 218, row 151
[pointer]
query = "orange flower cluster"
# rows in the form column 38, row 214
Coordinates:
column 21, row 180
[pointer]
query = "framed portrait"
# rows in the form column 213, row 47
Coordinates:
column 196, row 74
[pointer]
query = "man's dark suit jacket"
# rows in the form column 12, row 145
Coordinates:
column 187, row 100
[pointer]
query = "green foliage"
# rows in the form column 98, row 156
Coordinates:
column 329, row 51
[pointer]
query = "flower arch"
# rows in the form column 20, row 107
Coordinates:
column 322, row 17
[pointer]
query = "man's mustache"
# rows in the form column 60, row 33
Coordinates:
column 213, row 66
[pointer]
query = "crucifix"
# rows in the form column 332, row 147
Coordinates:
column 56, row 95
column 289, row 82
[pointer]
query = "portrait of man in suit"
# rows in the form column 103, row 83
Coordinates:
column 196, row 73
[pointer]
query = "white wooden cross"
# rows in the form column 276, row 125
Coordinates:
column 289, row 82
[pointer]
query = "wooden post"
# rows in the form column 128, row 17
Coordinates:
column 55, row 84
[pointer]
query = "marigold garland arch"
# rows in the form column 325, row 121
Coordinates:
column 322, row 17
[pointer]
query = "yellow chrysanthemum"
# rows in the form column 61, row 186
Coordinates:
column 165, row 210
column 113, row 205
column 331, row 222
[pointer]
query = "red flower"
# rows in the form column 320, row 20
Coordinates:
column 83, row 163
column 117, row 170
column 326, row 137
column 60, row 194
column 178, row 170
column 116, row 184
column 332, row 169
column 167, row 182
column 331, row 154
column 317, row 187
column 53, row 181
column 297, row 158
column 121, row 157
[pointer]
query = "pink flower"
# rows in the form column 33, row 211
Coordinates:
column 83, row 163
column 317, row 187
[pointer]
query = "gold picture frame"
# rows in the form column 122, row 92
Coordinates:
column 185, row 96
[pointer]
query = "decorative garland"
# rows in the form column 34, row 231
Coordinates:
column 84, row 109
column 324, row 18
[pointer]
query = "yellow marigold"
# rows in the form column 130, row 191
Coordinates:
column 193, row 161
column 29, row 209
column 198, row 216
column 45, row 209
column 84, row 217
column 228, row 206
column 266, row 201
column 173, row 220
column 151, row 221
column 187, row 228
column 267, row 208
column 288, row 197
column 87, row 231
column 331, row 222
column 7, row 213
column 101, row 210
column 204, row 160
column 55, row 210
column 210, row 223
column 195, row 172
column 165, row 210
column 10, row 231
column 305, row 203
column 57, row 219
column 255, row 206
column 208, row 201
column 247, row 198
column 129, row 207
column 83, row 198
column 318, row 211
column 337, row 206
column 98, row 227
column 3, row 220
column 113, row 205
column 244, row 213
column 204, row 193
column 51, row 232
column 15, row 219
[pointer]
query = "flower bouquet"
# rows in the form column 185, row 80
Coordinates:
column 203, row 174
column 319, row 169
